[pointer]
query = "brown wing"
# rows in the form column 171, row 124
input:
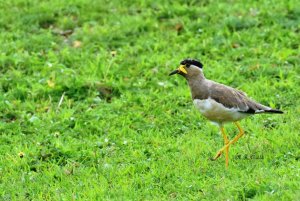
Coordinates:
column 233, row 98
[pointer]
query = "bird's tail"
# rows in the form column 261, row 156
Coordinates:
column 274, row 111
column 257, row 108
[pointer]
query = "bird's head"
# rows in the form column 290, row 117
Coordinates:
column 188, row 68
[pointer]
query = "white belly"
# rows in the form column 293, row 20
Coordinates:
column 216, row 112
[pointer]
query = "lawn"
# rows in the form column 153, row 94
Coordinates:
column 88, row 111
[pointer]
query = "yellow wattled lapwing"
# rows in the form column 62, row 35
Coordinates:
column 219, row 103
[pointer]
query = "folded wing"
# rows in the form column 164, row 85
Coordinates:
column 233, row 98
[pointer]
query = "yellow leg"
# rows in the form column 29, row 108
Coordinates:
column 226, row 141
column 235, row 139
column 240, row 134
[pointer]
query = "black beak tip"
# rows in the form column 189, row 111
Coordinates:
column 174, row 72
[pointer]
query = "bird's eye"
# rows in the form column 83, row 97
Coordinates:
column 187, row 65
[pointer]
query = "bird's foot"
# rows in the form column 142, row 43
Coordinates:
column 217, row 156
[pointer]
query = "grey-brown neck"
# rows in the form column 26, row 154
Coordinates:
column 198, row 86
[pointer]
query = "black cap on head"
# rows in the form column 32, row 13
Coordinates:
column 189, row 62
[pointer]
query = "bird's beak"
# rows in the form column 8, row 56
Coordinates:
column 181, row 69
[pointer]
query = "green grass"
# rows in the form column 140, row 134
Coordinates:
column 124, row 129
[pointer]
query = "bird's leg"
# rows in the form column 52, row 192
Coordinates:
column 235, row 139
column 226, row 141
column 241, row 132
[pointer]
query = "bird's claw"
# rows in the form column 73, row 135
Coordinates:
column 217, row 156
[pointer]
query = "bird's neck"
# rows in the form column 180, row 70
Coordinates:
column 198, row 87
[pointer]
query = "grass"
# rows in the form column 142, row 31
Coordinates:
column 88, row 111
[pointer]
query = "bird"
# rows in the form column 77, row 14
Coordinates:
column 219, row 103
